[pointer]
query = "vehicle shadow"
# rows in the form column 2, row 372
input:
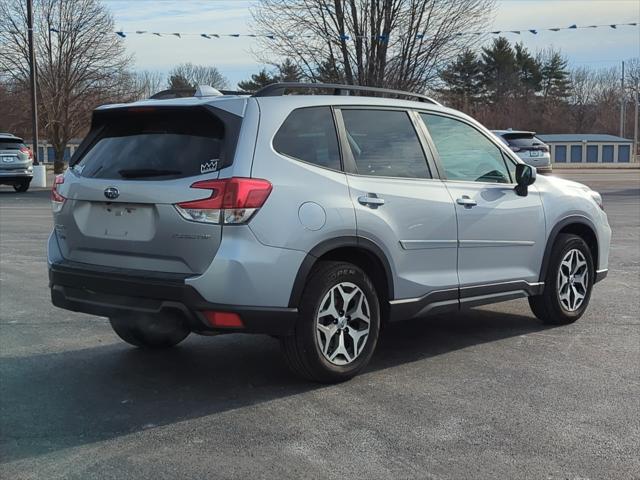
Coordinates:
column 55, row 401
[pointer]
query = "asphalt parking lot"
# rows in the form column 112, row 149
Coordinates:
column 490, row 393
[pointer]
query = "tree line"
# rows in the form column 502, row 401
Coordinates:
column 505, row 85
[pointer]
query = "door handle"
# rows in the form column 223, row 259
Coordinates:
column 371, row 200
column 466, row 201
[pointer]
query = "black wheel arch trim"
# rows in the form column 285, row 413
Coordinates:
column 326, row 246
column 566, row 221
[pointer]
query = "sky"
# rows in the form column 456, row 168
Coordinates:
column 234, row 57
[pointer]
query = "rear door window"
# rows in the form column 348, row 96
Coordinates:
column 384, row 143
column 309, row 134
column 157, row 144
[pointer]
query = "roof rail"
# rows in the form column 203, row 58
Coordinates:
column 278, row 89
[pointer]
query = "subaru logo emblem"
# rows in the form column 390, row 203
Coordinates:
column 111, row 193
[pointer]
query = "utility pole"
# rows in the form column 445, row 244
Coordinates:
column 622, row 102
column 635, row 123
column 33, row 72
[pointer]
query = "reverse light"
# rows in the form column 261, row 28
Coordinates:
column 57, row 200
column 232, row 201
column 223, row 319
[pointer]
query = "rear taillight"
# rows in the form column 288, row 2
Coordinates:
column 232, row 201
column 28, row 151
column 57, row 200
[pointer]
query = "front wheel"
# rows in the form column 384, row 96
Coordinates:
column 338, row 326
column 568, row 283
column 150, row 331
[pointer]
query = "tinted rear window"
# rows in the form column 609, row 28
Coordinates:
column 309, row 134
column 155, row 145
column 523, row 140
column 11, row 144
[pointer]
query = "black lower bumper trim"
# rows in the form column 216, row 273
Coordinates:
column 106, row 292
column 601, row 275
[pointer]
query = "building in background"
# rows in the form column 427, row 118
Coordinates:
column 588, row 148
column 46, row 153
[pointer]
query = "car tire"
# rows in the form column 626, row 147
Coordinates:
column 150, row 331
column 338, row 325
column 566, row 291
column 22, row 186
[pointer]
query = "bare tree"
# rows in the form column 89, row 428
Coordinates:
column 199, row 75
column 150, row 82
column 80, row 62
column 392, row 43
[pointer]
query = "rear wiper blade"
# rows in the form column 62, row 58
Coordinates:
column 146, row 172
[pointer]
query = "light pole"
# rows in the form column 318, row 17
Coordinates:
column 39, row 171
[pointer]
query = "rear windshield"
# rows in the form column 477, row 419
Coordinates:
column 523, row 140
column 159, row 144
column 11, row 144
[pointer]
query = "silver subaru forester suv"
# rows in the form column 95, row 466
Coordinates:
column 313, row 217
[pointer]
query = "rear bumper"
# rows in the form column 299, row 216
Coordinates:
column 109, row 292
column 14, row 176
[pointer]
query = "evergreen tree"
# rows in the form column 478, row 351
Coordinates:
column 329, row 72
column 499, row 69
column 288, row 71
column 556, row 85
column 179, row 82
column 463, row 80
column 529, row 74
column 258, row 80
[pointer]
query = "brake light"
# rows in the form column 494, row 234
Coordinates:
column 57, row 200
column 232, row 201
column 28, row 151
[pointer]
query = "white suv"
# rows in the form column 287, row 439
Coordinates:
column 313, row 218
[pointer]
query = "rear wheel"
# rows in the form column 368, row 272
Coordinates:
column 568, row 283
column 338, row 327
column 151, row 331
column 22, row 186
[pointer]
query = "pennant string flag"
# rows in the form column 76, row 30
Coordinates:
column 383, row 38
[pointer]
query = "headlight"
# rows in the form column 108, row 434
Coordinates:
column 597, row 198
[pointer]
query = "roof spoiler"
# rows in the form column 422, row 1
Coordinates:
column 201, row 91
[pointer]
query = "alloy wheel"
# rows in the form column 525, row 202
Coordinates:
column 342, row 323
column 573, row 280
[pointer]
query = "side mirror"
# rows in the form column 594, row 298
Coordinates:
column 525, row 176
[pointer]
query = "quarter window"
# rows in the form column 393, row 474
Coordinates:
column 384, row 143
column 465, row 153
column 309, row 134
